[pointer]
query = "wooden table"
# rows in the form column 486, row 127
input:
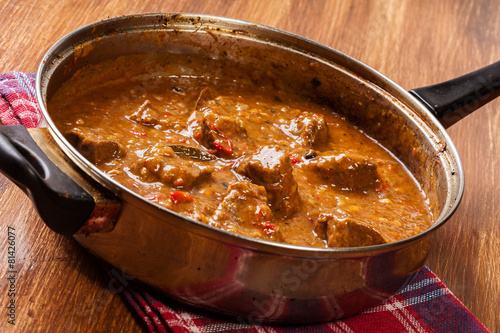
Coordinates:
column 61, row 288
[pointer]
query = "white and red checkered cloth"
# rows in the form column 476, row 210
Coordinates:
column 425, row 305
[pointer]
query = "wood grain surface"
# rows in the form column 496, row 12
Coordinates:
column 61, row 288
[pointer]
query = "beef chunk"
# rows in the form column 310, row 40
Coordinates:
column 311, row 129
column 244, row 210
column 348, row 172
column 271, row 168
column 148, row 115
column 160, row 163
column 95, row 145
column 219, row 133
column 341, row 230
column 230, row 126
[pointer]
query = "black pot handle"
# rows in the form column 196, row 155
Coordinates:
column 452, row 100
column 62, row 204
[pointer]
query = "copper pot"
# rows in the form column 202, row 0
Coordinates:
column 253, row 280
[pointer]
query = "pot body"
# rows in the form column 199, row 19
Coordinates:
column 253, row 280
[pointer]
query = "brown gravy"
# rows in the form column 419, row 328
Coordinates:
column 243, row 154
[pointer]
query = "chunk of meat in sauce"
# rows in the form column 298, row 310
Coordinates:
column 348, row 172
column 146, row 114
column 218, row 133
column 340, row 230
column 160, row 163
column 311, row 129
column 95, row 144
column 271, row 168
column 245, row 210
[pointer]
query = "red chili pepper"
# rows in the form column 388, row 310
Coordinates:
column 266, row 225
column 269, row 226
column 225, row 146
column 226, row 149
column 180, row 197
column 294, row 160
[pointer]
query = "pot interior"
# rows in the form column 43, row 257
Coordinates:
column 369, row 100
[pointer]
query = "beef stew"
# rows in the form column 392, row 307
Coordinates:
column 236, row 150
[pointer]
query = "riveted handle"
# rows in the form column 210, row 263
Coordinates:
column 61, row 203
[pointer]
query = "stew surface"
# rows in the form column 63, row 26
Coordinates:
column 245, row 155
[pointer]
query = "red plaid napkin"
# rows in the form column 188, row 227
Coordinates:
column 18, row 100
column 425, row 305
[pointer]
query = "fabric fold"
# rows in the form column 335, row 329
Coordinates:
column 18, row 105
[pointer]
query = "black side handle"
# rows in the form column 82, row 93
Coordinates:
column 62, row 204
column 452, row 100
